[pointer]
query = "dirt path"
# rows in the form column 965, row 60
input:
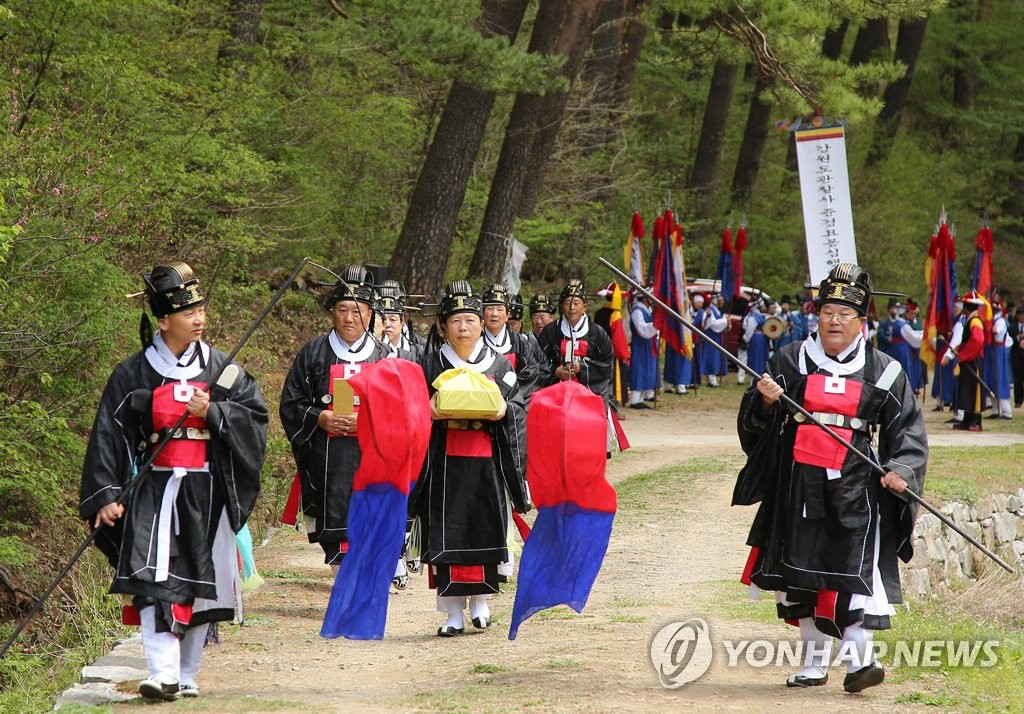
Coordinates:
column 675, row 553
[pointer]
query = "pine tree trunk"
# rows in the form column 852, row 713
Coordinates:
column 704, row 173
column 832, row 44
column 632, row 42
column 244, row 31
column 872, row 39
column 421, row 253
column 574, row 43
column 908, row 47
column 528, row 113
column 748, row 163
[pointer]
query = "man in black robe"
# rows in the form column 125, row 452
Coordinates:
column 170, row 535
column 320, row 423
column 576, row 348
column 828, row 533
column 505, row 341
column 471, row 465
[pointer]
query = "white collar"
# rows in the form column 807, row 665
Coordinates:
column 344, row 351
column 575, row 333
column 501, row 342
column 189, row 366
column 479, row 360
column 838, row 366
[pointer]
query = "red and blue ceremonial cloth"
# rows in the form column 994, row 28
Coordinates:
column 566, row 427
column 393, row 431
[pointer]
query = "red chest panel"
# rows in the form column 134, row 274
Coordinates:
column 511, row 357
column 813, row 446
column 168, row 405
column 581, row 348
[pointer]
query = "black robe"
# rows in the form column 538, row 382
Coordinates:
column 122, row 436
column 595, row 367
column 818, row 533
column 519, row 351
column 460, row 500
column 327, row 464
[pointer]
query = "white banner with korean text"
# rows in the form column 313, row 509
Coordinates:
column 825, row 191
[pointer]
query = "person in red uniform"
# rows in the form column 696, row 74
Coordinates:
column 969, row 354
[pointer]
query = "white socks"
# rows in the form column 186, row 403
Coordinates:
column 192, row 653
column 817, row 649
column 478, row 606
column 453, row 607
column 162, row 649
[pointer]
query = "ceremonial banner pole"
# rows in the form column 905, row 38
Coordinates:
column 809, row 417
column 145, row 468
column 825, row 193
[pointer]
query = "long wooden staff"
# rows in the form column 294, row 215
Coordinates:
column 147, row 466
column 811, row 418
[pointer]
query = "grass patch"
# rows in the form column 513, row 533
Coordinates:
column 563, row 664
column 627, row 618
column 934, row 699
column 560, row 612
column 965, row 473
column 966, row 617
column 730, row 599
column 487, row 668
column 661, row 487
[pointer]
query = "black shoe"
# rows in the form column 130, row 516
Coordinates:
column 991, row 416
column 650, row 399
column 799, row 680
column 959, row 426
column 449, row 631
column 481, row 623
column 952, row 421
column 152, row 689
column 1005, row 416
column 865, row 677
column 937, row 409
column 640, row 405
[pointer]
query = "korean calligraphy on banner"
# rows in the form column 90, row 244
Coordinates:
column 825, row 191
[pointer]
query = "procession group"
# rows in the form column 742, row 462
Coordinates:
column 825, row 539
column 170, row 536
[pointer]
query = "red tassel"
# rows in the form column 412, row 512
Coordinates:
column 727, row 241
column 669, row 224
column 741, row 239
column 933, row 247
column 656, row 233
column 637, row 227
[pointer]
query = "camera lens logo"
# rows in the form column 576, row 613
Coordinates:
column 681, row 652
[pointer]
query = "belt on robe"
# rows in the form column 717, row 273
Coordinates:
column 189, row 432
column 840, row 420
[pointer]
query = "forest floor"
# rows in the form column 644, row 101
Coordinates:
column 676, row 552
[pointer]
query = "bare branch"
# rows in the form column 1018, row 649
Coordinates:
column 337, row 8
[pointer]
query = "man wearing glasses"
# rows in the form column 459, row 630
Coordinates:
column 828, row 531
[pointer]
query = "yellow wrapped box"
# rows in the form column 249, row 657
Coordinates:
column 465, row 394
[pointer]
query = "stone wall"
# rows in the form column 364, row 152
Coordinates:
column 943, row 559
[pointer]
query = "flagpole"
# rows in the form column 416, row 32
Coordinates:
column 785, row 398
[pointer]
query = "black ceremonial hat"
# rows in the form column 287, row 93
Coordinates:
column 846, row 284
column 541, row 303
column 573, row 289
column 457, row 297
column 356, row 283
column 172, row 288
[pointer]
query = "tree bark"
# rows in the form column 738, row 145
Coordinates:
column 908, row 47
column 832, row 44
column 748, row 163
column 599, row 74
column 704, row 172
column 632, row 42
column 244, row 31
column 574, row 43
column 872, row 38
column 554, row 26
column 421, row 253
